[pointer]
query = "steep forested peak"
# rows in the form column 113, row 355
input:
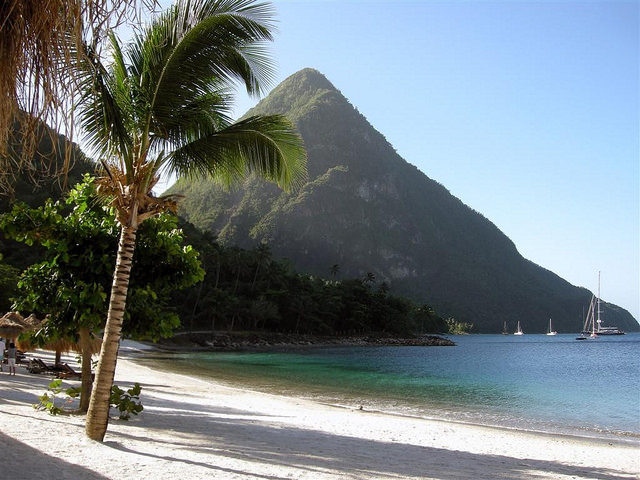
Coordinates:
column 368, row 210
column 307, row 79
column 297, row 95
column 334, row 131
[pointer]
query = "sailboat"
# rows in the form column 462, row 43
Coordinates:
column 592, row 322
column 504, row 329
column 589, row 327
column 518, row 330
column 551, row 331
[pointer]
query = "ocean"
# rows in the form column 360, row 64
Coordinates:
column 532, row 382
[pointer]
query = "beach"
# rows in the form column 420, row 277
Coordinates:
column 196, row 429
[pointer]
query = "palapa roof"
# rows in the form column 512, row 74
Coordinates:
column 61, row 345
column 13, row 324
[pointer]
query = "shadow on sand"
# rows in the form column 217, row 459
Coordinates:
column 241, row 435
column 28, row 463
column 259, row 441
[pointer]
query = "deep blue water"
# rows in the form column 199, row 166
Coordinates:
column 534, row 382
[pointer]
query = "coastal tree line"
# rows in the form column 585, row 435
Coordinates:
column 250, row 290
column 184, row 279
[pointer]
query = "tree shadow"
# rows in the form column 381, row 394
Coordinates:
column 191, row 433
column 214, row 431
column 23, row 462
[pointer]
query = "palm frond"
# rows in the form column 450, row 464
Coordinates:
column 164, row 103
column 266, row 145
column 37, row 39
column 197, row 47
column 104, row 105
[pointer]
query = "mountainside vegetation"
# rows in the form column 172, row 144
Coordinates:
column 243, row 289
column 366, row 210
column 41, row 181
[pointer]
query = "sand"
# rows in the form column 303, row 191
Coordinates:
column 192, row 429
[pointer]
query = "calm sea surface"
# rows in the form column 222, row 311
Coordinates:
column 532, row 382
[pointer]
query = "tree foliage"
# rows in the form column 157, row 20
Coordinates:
column 79, row 236
column 8, row 284
column 250, row 290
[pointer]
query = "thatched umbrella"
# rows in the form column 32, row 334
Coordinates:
column 34, row 322
column 13, row 324
column 9, row 327
column 44, row 340
column 60, row 345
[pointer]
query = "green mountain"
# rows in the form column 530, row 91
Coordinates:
column 41, row 181
column 367, row 210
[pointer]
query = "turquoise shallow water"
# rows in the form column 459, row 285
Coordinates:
column 532, row 382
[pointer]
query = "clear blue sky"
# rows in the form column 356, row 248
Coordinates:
column 528, row 111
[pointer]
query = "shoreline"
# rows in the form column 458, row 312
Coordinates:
column 272, row 341
column 364, row 404
column 380, row 401
column 200, row 429
column 623, row 439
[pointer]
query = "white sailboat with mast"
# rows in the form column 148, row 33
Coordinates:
column 551, row 331
column 593, row 323
column 518, row 330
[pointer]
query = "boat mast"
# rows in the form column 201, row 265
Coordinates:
column 599, row 301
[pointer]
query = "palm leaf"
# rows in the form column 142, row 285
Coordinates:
column 266, row 145
column 164, row 103
column 197, row 48
column 104, row 112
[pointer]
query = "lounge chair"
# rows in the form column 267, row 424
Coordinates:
column 65, row 371
column 36, row 365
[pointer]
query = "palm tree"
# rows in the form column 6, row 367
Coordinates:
column 162, row 106
column 262, row 257
column 334, row 270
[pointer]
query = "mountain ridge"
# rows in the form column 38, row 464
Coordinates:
column 367, row 210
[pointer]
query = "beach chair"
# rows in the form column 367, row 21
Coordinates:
column 65, row 371
column 36, row 365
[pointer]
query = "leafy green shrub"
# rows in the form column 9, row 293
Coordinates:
column 128, row 402
column 48, row 399
column 458, row 328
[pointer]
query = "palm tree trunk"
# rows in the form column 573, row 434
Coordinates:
column 87, row 382
column 98, row 414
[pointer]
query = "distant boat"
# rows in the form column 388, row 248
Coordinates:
column 593, row 324
column 518, row 330
column 504, row 329
column 551, row 331
column 589, row 327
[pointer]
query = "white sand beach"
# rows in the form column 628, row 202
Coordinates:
column 201, row 430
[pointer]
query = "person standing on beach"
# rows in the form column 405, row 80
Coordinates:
column 2, row 347
column 11, row 358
